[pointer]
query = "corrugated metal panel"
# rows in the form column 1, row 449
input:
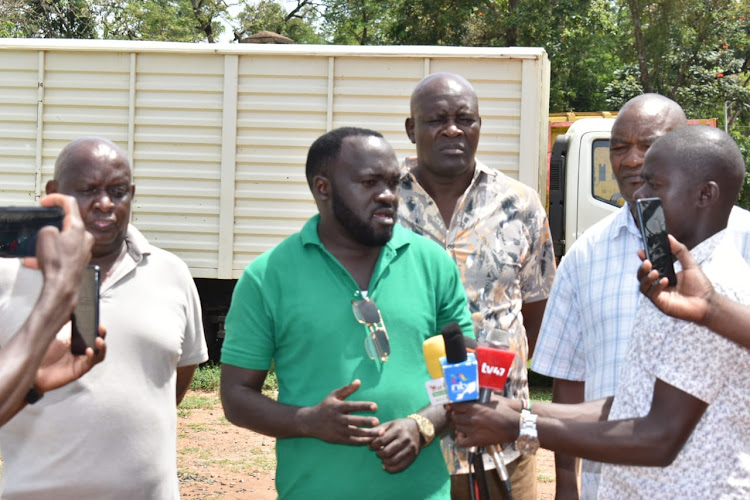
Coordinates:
column 177, row 155
column 374, row 93
column 281, row 110
column 166, row 103
column 18, row 109
column 82, row 96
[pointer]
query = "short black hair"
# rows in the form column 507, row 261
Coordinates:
column 328, row 146
column 707, row 154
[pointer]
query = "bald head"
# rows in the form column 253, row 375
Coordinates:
column 441, row 83
column 654, row 107
column 697, row 173
column 96, row 172
column 89, row 149
column 445, row 126
column 640, row 122
column 703, row 154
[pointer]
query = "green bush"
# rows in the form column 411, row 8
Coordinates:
column 207, row 378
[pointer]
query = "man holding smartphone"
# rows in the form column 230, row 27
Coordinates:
column 589, row 317
column 676, row 427
column 33, row 362
column 111, row 434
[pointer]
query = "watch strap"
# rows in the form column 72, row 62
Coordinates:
column 528, row 437
column 425, row 426
column 33, row 395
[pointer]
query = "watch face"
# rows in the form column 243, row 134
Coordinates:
column 527, row 444
column 426, row 429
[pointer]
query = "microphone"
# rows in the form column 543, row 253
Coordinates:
column 433, row 349
column 494, row 362
column 459, row 367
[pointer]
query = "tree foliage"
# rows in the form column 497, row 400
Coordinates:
column 694, row 52
column 47, row 19
column 161, row 20
column 602, row 52
column 297, row 23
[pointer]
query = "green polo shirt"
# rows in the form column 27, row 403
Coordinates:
column 292, row 305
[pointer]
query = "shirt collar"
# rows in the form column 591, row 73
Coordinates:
column 138, row 245
column 703, row 250
column 479, row 168
column 624, row 223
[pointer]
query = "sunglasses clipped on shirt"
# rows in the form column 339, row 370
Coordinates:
column 377, row 344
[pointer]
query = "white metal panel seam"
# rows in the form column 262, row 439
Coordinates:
column 529, row 129
column 131, row 118
column 543, row 85
column 329, row 97
column 228, row 167
column 39, row 127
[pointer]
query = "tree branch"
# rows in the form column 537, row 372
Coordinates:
column 639, row 45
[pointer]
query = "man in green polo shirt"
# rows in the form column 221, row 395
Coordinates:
column 352, row 418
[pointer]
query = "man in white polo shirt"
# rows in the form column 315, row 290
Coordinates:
column 111, row 434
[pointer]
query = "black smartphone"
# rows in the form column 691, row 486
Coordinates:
column 19, row 227
column 85, row 320
column 653, row 227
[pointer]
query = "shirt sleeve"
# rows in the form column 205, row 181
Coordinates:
column 249, row 340
column 538, row 269
column 559, row 349
column 194, row 348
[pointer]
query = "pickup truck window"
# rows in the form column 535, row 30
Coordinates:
column 604, row 185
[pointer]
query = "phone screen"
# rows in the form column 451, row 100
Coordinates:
column 653, row 227
column 19, row 227
column 85, row 321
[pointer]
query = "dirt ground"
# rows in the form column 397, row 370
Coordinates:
column 217, row 460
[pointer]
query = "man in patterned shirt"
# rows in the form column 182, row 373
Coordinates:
column 496, row 230
column 678, row 420
column 588, row 323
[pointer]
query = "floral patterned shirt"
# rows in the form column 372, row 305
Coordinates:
column 499, row 238
column 715, row 460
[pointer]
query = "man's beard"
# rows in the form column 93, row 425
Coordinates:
column 357, row 228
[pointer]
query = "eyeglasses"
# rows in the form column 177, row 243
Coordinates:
column 377, row 344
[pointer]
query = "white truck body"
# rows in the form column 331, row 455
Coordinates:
column 218, row 134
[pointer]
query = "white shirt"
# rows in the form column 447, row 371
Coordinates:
column 588, row 320
column 112, row 433
column 715, row 460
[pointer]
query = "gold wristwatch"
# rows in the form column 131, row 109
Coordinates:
column 426, row 429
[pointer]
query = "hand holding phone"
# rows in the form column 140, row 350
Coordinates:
column 85, row 319
column 19, row 227
column 653, row 226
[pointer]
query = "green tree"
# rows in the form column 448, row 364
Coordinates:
column 356, row 22
column 577, row 37
column 575, row 34
column 161, row 20
column 695, row 52
column 682, row 50
column 432, row 22
column 267, row 15
column 47, row 19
